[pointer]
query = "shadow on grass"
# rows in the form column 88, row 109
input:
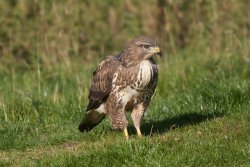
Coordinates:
column 162, row 126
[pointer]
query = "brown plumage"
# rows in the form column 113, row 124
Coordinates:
column 125, row 82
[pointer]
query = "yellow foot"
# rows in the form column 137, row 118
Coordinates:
column 125, row 130
column 138, row 132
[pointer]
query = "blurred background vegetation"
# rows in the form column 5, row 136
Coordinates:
column 59, row 31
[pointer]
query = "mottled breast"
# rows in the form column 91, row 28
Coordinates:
column 144, row 76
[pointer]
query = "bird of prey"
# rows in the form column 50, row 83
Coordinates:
column 125, row 82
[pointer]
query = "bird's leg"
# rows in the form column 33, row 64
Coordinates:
column 116, row 115
column 125, row 130
column 138, row 130
column 137, row 115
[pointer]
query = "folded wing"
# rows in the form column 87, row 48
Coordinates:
column 102, row 82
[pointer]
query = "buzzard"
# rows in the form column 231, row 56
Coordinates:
column 125, row 82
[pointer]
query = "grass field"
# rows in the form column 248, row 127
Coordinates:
column 199, row 115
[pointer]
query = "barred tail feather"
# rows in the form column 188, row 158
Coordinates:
column 91, row 119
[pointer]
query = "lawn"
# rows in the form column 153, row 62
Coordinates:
column 198, row 116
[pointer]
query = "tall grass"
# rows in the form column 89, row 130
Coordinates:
column 199, row 115
column 63, row 30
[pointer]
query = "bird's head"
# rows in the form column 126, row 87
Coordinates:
column 141, row 48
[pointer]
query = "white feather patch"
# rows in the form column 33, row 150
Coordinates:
column 101, row 109
column 146, row 71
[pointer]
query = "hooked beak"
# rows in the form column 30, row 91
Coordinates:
column 153, row 50
column 157, row 50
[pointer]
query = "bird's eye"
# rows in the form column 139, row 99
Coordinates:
column 146, row 46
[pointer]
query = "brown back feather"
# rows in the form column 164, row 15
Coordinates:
column 102, row 82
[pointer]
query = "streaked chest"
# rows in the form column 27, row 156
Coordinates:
column 144, row 74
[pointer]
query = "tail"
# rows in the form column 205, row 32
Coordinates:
column 91, row 119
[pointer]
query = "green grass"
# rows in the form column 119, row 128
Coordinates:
column 199, row 115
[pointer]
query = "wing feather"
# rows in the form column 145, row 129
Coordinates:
column 102, row 82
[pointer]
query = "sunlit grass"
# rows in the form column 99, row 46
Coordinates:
column 195, row 110
column 199, row 115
